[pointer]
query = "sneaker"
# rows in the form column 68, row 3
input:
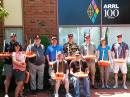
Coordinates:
column 34, row 93
column 107, row 86
column 125, row 87
column 94, row 87
column 103, row 86
column 22, row 95
column 39, row 90
column 115, row 86
column 6, row 95
column 56, row 95
column 68, row 95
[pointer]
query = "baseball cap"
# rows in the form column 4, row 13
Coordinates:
column 119, row 35
column 77, row 53
column 59, row 53
column 103, row 38
column 37, row 37
column 12, row 34
column 87, row 35
column 54, row 37
column 70, row 35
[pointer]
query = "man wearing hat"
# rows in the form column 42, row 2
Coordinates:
column 51, row 52
column 9, row 47
column 70, row 47
column 89, row 48
column 60, row 65
column 120, row 50
column 76, row 66
column 36, row 65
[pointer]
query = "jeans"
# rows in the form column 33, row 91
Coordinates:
column 86, row 86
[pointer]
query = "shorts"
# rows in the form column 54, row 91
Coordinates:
column 120, row 66
column 19, row 75
column 7, row 70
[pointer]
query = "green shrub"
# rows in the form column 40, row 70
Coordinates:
column 1, row 76
column 1, row 48
column 111, row 77
column 45, row 41
column 128, row 73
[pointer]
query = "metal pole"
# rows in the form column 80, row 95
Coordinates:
column 101, row 21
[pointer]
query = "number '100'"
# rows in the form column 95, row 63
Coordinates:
column 111, row 13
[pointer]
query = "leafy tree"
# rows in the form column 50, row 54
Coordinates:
column 3, row 12
column 106, row 35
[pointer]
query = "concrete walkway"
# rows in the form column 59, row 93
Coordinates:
column 94, row 93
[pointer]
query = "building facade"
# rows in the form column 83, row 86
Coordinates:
column 61, row 17
column 28, row 18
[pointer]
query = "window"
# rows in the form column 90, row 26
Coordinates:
column 79, row 33
column 18, row 31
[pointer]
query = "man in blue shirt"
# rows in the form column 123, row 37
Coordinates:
column 51, row 52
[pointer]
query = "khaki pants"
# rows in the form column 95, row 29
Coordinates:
column 36, row 70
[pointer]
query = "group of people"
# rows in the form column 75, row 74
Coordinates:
column 16, row 64
column 55, row 55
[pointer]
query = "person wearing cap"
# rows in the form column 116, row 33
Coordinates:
column 70, row 47
column 19, row 67
column 75, row 66
column 51, row 52
column 120, row 50
column 9, row 47
column 103, row 53
column 60, row 65
column 89, row 48
column 36, row 66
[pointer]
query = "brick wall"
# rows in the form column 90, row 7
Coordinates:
column 1, row 33
column 40, row 16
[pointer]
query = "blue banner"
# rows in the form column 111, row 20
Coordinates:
column 79, row 12
column 88, row 12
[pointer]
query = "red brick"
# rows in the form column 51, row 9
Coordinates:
column 40, row 16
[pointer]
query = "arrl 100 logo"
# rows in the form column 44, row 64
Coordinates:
column 111, row 11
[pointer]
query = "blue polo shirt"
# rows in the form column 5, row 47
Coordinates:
column 51, row 51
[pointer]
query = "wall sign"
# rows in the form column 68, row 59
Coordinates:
column 79, row 12
column 115, row 12
column 88, row 12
